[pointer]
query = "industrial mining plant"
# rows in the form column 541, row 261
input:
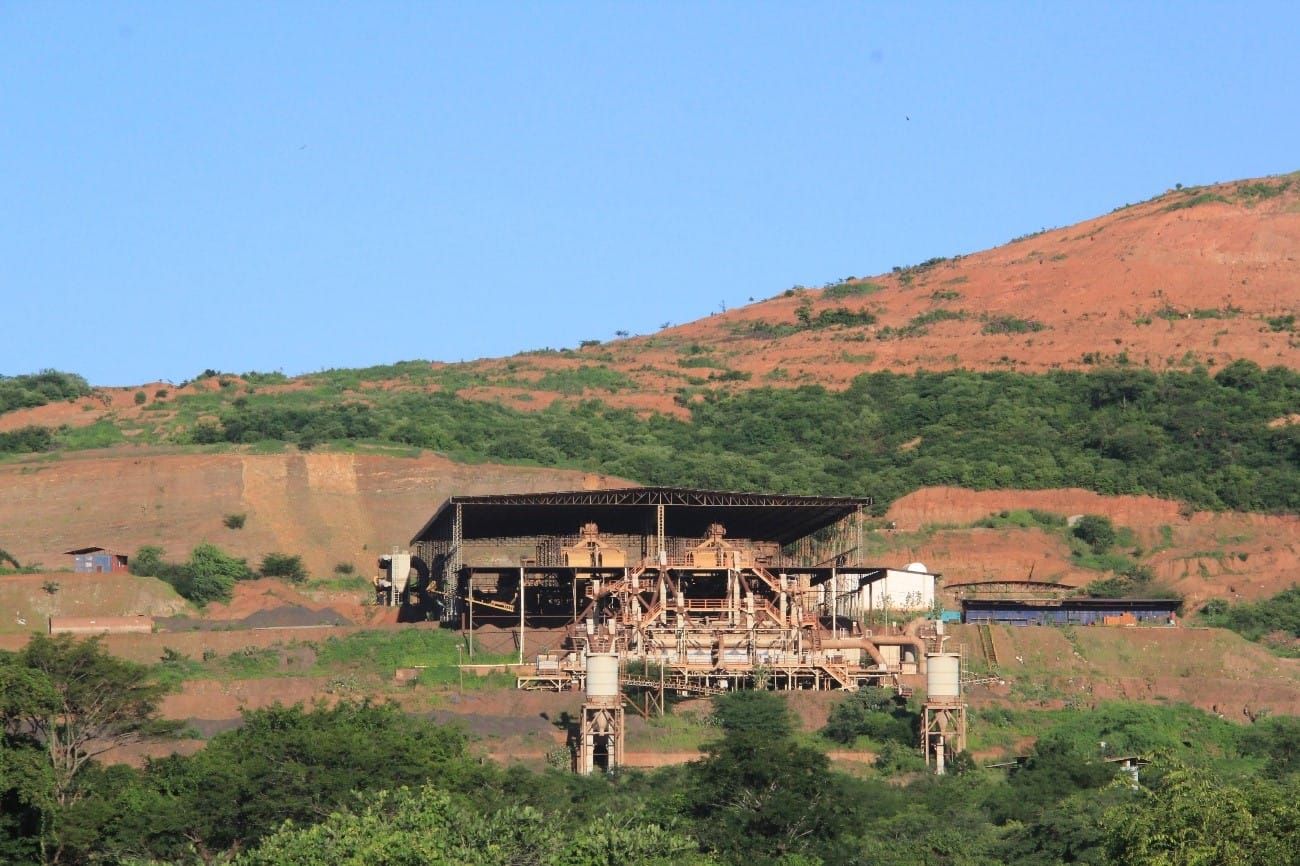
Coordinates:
column 662, row 590
column 715, row 590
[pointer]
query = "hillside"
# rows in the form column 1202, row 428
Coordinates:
column 328, row 507
column 1200, row 555
column 1198, row 275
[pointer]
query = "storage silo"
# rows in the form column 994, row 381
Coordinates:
column 602, row 675
column 943, row 677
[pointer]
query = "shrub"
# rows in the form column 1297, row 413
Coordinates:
column 210, row 575
column 1010, row 325
column 344, row 568
column 234, row 521
column 1280, row 613
column 147, row 561
column 27, row 440
column 870, row 712
column 283, row 565
column 1096, row 531
column 841, row 317
column 37, row 389
column 848, row 289
column 140, row 398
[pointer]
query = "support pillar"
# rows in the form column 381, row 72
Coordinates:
column 943, row 734
column 600, row 743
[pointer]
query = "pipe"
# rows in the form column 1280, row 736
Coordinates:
column 917, row 645
column 861, row 643
column 872, row 646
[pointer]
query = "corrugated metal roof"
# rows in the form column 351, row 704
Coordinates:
column 764, row 516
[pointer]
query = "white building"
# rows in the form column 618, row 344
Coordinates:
column 910, row 589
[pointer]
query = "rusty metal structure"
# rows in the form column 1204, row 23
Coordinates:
column 712, row 589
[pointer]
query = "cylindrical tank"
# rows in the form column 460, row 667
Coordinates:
column 943, row 676
column 602, row 675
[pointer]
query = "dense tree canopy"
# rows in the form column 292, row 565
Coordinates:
column 1208, row 440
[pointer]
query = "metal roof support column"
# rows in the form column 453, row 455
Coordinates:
column 457, row 530
column 860, row 526
column 659, row 533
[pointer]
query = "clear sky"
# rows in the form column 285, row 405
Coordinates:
column 297, row 186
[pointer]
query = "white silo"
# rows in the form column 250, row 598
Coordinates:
column 943, row 677
column 602, row 675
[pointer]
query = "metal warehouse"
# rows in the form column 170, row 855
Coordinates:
column 1070, row 611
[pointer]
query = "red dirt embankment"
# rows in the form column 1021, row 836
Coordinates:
column 1203, row 554
column 327, row 507
column 1212, row 669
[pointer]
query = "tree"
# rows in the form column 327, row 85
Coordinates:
column 758, row 795
column 147, row 561
column 291, row 764
column 870, row 712
column 79, row 701
column 210, row 574
column 1096, row 531
column 429, row 825
column 1194, row 818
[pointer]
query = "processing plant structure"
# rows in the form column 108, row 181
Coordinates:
column 702, row 590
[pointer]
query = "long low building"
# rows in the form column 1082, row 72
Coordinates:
column 1070, row 611
column 141, row 624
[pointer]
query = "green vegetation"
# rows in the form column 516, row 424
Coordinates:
column 1010, row 325
column 875, row 715
column 353, row 662
column 1096, row 531
column 581, row 379
column 849, row 288
column 1284, row 323
column 37, row 389
column 234, row 521
column 283, row 565
column 1181, row 434
column 1274, row 621
column 27, row 440
column 1026, row 518
column 1091, row 540
column 9, row 564
column 361, row 783
column 919, row 325
column 834, row 317
column 1262, row 190
column 907, row 274
column 1173, row 314
column 1195, row 200
column 208, row 575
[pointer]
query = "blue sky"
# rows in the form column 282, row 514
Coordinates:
column 299, row 186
